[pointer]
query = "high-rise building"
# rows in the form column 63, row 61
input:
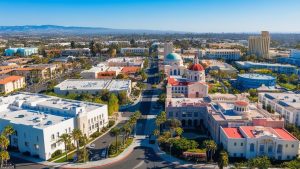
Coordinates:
column 168, row 48
column 260, row 45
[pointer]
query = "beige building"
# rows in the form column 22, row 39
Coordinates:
column 260, row 45
column 168, row 48
column 11, row 83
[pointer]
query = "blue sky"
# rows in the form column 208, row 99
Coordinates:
column 180, row 15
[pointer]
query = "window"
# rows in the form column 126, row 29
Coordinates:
column 270, row 149
column 195, row 114
column 286, row 145
column 37, row 138
column 53, row 146
column 279, row 149
column 252, row 147
column 261, row 148
column 170, row 114
column 292, row 145
column 52, row 137
column 242, row 144
column 234, row 143
column 26, row 144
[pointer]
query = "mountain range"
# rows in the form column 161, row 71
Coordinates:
column 55, row 29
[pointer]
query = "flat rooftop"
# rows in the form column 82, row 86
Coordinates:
column 94, row 84
column 249, row 63
column 288, row 100
column 41, row 111
column 257, row 76
column 182, row 102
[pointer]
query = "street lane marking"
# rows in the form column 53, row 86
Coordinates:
column 138, row 165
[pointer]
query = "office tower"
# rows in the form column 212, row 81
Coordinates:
column 260, row 45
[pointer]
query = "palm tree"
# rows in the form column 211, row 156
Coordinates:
column 77, row 134
column 127, row 129
column 66, row 138
column 160, row 119
column 4, row 156
column 84, row 140
column 115, row 132
column 8, row 131
column 223, row 160
column 211, row 147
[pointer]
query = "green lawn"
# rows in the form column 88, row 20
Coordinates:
column 288, row 86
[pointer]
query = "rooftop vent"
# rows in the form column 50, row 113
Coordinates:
column 21, row 115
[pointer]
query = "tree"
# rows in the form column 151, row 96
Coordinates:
column 115, row 132
column 72, row 45
column 259, row 162
column 4, row 142
column 92, row 48
column 122, row 96
column 77, row 134
column 113, row 104
column 132, row 42
column 156, row 132
column 66, row 139
column 4, row 156
column 223, row 159
column 178, row 131
column 160, row 119
column 83, row 153
column 210, row 147
column 8, row 131
column 105, row 95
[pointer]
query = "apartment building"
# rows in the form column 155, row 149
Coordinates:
column 11, row 83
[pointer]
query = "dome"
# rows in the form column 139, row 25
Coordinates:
column 196, row 67
column 173, row 56
column 241, row 103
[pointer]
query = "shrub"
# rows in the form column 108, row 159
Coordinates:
column 56, row 153
column 96, row 134
column 111, row 123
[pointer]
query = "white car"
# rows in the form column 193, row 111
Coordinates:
column 92, row 145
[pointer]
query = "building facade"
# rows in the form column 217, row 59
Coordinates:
column 20, row 51
column 274, row 67
column 40, row 120
column 134, row 51
column 254, row 81
column 260, row 45
column 286, row 104
column 11, row 83
column 224, row 54
column 254, row 141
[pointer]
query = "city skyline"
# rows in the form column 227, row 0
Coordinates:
column 189, row 16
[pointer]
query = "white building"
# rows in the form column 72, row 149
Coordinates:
column 39, row 120
column 286, row 104
column 253, row 141
column 135, row 51
column 275, row 67
column 225, row 54
column 126, row 61
column 92, row 86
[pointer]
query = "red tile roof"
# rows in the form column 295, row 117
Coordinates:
column 283, row 134
column 10, row 79
column 241, row 103
column 233, row 132
column 130, row 69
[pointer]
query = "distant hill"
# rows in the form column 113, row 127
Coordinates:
column 54, row 29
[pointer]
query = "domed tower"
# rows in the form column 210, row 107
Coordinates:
column 241, row 108
column 196, row 71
